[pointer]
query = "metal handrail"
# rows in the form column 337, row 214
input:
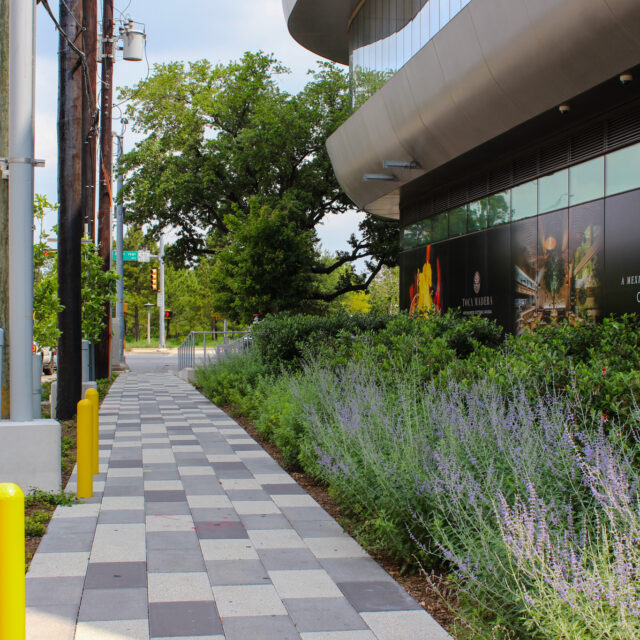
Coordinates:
column 188, row 350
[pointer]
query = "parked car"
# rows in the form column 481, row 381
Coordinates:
column 48, row 360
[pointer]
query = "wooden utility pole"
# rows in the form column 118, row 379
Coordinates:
column 89, row 114
column 70, row 213
column 105, row 164
column 4, row 201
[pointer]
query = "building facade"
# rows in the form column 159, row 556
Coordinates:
column 504, row 135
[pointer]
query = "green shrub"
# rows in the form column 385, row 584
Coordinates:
column 440, row 436
column 49, row 499
column 35, row 525
column 284, row 339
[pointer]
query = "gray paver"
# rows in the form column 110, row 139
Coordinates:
column 178, row 560
column 236, row 572
column 116, row 575
column 260, row 628
column 113, row 604
column 183, row 619
column 377, row 596
column 195, row 533
column 54, row 591
column 324, row 614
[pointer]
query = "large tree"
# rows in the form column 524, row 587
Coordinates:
column 221, row 143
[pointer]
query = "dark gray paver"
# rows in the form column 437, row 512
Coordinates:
column 183, row 619
column 116, row 575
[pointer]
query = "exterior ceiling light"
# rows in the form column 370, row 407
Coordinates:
column 401, row 164
column 564, row 109
column 379, row 177
column 626, row 78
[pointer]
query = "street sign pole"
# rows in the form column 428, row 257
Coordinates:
column 148, row 305
column 161, row 292
column 119, row 257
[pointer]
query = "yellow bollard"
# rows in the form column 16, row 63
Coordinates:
column 12, row 558
column 85, row 449
column 92, row 396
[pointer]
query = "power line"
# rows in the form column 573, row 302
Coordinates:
column 83, row 60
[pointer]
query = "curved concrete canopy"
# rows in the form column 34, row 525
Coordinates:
column 496, row 65
column 321, row 26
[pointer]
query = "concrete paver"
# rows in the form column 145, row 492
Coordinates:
column 195, row 532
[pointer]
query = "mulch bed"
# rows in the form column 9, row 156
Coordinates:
column 430, row 591
column 32, row 542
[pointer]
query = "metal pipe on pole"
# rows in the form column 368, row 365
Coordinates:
column 162, row 344
column 105, row 168
column 4, row 203
column 21, row 163
column 119, row 251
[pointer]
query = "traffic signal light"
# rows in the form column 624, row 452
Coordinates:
column 154, row 279
column 168, row 315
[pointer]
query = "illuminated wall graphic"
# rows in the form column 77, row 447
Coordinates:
column 425, row 292
column 568, row 265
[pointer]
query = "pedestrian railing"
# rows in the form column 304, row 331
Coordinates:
column 201, row 347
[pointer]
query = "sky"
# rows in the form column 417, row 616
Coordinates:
column 217, row 30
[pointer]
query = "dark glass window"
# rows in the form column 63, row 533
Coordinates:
column 439, row 227
column 478, row 215
column 586, row 181
column 553, row 192
column 524, row 200
column 499, row 208
column 458, row 221
column 623, row 170
column 423, row 234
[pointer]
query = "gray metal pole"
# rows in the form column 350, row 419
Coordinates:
column 161, row 292
column 119, row 260
column 148, row 305
column 21, row 147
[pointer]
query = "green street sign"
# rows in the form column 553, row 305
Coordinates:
column 131, row 256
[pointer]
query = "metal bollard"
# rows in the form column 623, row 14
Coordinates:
column 85, row 449
column 93, row 397
column 12, row 558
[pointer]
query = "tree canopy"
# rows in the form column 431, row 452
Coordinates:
column 227, row 154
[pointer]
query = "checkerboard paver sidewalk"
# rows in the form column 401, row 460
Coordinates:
column 194, row 531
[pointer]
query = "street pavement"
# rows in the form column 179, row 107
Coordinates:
column 152, row 362
column 195, row 532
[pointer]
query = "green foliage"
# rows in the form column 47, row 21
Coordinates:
column 137, row 284
column 285, row 339
column 104, row 384
column 98, row 290
column 46, row 304
column 233, row 380
column 98, row 286
column 49, row 498
column 264, row 266
column 230, row 161
column 420, row 426
column 35, row 525
column 384, row 291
